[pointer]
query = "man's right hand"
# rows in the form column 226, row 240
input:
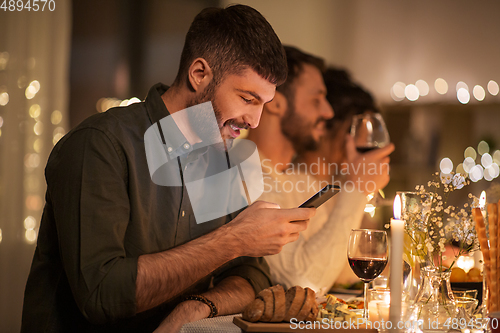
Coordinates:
column 264, row 228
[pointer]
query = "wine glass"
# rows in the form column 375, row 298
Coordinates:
column 369, row 131
column 367, row 255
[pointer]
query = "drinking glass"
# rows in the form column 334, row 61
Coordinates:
column 367, row 255
column 369, row 131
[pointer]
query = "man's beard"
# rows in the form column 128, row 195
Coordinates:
column 298, row 131
column 202, row 122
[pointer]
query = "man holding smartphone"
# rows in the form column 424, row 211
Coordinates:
column 117, row 252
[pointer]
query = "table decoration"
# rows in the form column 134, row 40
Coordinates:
column 436, row 235
column 396, row 269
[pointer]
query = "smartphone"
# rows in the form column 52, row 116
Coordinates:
column 321, row 196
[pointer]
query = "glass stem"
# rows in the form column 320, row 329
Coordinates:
column 365, row 302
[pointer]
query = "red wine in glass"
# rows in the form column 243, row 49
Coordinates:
column 369, row 131
column 364, row 149
column 367, row 255
column 367, row 269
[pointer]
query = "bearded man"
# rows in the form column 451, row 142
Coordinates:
column 292, row 125
column 117, row 252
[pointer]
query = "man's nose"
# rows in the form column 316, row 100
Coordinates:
column 327, row 110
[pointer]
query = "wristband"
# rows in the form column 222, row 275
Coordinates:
column 203, row 299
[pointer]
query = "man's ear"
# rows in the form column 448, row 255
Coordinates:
column 278, row 105
column 199, row 74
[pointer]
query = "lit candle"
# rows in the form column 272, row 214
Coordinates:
column 396, row 279
column 478, row 255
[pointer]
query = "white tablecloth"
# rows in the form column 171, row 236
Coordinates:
column 220, row 324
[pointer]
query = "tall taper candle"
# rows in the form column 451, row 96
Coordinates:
column 396, row 271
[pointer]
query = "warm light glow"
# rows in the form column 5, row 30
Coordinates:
column 370, row 209
column 493, row 88
column 441, row 86
column 496, row 156
column 483, row 147
column 22, row 82
column 423, row 87
column 482, row 200
column 4, row 58
column 33, row 202
column 488, row 173
column 30, row 236
column 465, row 263
column 32, row 160
column 460, row 169
column 38, row 128
column 476, row 173
column 494, row 170
column 133, row 100
column 463, row 95
column 35, row 111
column 30, row 92
column 461, row 85
column 37, row 145
column 411, row 92
column 468, row 164
column 479, row 93
column 36, row 85
column 397, row 207
column 486, row 160
column 29, row 222
column 56, row 117
column 1, row 235
column 1, row 122
column 399, row 90
column 56, row 138
column 4, row 98
column 446, row 165
column 470, row 152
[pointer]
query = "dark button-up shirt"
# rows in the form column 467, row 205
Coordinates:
column 102, row 212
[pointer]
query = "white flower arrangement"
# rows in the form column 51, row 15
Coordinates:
column 436, row 225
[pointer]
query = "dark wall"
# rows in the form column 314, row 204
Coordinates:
column 122, row 47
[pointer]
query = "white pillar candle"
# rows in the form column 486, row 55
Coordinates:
column 396, row 279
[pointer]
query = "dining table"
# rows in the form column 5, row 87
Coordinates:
column 226, row 324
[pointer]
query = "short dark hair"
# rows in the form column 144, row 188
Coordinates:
column 295, row 60
column 346, row 97
column 231, row 40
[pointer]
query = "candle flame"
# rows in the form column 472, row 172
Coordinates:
column 482, row 200
column 397, row 207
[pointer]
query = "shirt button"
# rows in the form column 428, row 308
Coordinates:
column 183, row 214
column 186, row 146
column 169, row 149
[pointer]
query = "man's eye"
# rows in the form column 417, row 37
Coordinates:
column 248, row 101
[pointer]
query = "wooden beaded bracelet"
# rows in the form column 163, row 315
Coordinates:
column 203, row 299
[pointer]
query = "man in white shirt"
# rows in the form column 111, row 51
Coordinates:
column 294, row 123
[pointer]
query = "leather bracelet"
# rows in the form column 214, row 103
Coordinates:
column 203, row 299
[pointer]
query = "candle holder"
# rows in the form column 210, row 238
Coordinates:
column 375, row 297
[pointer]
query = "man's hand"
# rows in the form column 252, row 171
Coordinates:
column 263, row 228
column 368, row 171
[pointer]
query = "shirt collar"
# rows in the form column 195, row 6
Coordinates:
column 173, row 139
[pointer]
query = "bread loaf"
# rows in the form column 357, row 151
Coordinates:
column 253, row 312
column 274, row 305
column 309, row 302
column 294, row 298
column 279, row 304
